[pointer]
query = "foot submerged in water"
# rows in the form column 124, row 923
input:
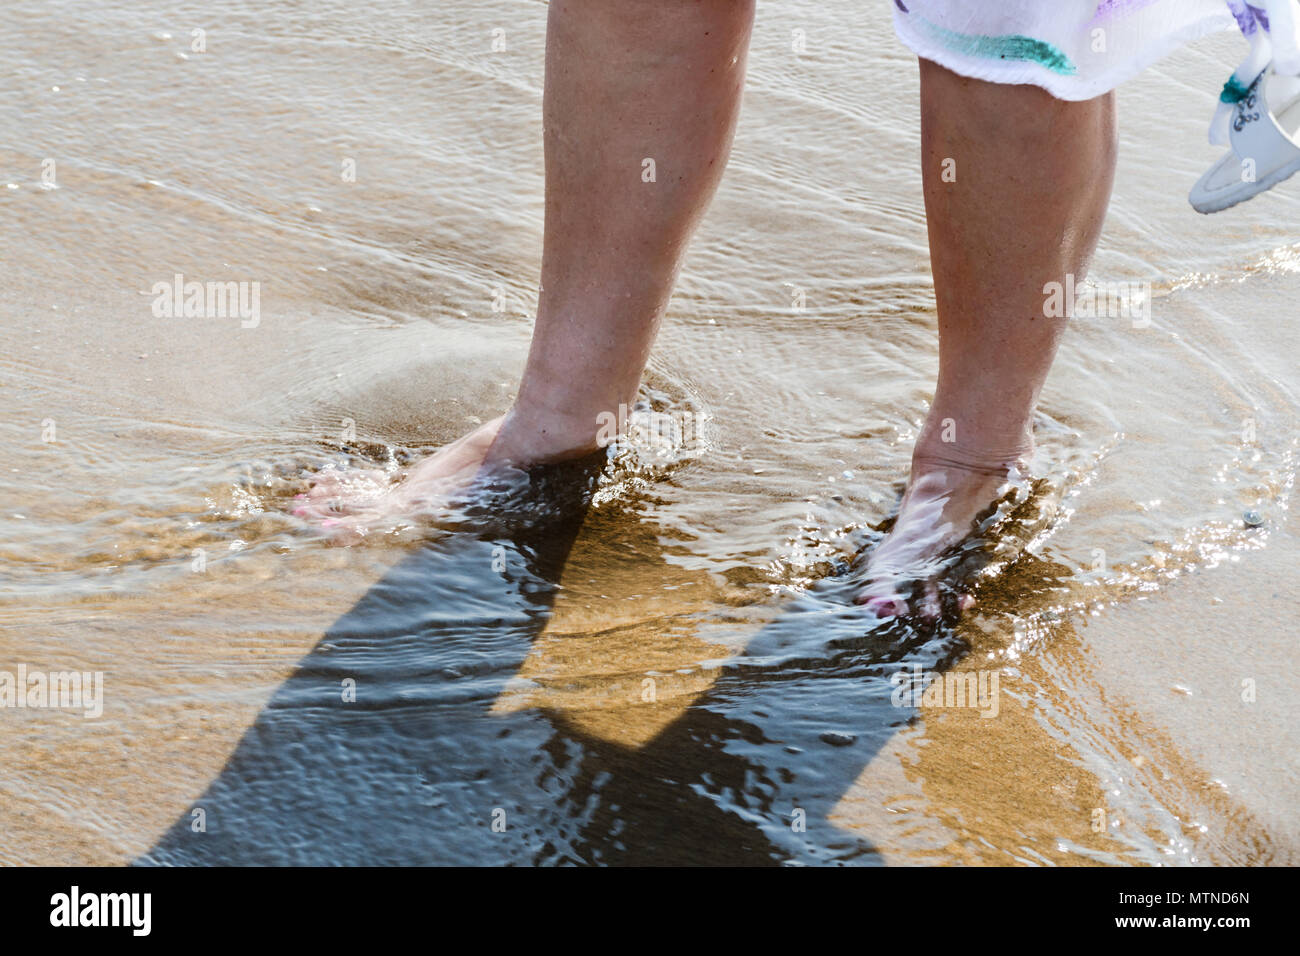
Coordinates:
column 348, row 504
column 908, row 572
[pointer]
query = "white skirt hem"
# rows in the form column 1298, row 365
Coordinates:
column 1060, row 85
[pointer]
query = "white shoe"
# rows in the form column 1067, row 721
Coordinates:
column 1265, row 149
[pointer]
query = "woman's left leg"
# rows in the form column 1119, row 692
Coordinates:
column 1031, row 180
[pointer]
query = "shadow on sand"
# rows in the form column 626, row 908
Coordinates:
column 419, row 769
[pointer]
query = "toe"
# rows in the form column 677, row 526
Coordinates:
column 931, row 607
column 334, row 493
column 884, row 605
column 340, row 532
column 318, row 510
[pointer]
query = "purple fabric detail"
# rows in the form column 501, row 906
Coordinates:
column 1244, row 15
column 1110, row 8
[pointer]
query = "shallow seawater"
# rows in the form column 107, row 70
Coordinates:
column 653, row 659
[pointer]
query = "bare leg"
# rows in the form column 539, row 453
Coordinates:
column 1033, row 179
column 627, row 82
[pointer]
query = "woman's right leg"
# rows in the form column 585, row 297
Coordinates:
column 629, row 83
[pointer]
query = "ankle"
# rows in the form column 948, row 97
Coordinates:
column 580, row 412
column 535, row 433
column 979, row 456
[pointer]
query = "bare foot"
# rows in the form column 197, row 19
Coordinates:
column 905, row 572
column 350, row 503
